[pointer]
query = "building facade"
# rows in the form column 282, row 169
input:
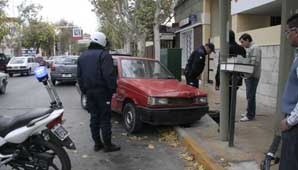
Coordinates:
column 193, row 20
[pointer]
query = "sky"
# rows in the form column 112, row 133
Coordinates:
column 76, row 11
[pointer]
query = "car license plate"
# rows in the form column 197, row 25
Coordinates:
column 60, row 132
column 66, row 75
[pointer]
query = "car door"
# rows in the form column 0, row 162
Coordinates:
column 116, row 99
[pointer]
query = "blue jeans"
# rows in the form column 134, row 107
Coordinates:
column 251, row 90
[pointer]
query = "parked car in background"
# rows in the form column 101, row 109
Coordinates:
column 21, row 65
column 64, row 69
column 4, row 59
column 3, row 82
column 148, row 93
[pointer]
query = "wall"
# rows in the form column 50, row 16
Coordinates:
column 188, row 7
column 242, row 22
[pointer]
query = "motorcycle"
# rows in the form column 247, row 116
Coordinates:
column 36, row 140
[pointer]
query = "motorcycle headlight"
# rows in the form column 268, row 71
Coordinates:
column 157, row 101
column 201, row 100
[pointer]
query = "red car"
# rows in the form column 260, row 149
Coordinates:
column 148, row 93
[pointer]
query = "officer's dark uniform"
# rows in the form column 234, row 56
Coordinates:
column 97, row 80
column 195, row 66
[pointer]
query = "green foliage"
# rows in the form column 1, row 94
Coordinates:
column 38, row 35
column 129, row 17
column 4, row 29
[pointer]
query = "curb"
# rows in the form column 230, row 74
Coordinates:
column 200, row 154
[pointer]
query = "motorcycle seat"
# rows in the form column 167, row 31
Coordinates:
column 9, row 123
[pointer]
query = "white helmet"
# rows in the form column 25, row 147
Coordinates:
column 99, row 38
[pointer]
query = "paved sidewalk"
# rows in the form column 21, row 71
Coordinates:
column 252, row 139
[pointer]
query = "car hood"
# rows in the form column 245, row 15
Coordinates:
column 165, row 88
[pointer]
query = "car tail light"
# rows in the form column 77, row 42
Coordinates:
column 56, row 121
column 53, row 67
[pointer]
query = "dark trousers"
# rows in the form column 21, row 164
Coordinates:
column 192, row 82
column 289, row 150
column 99, row 107
column 251, row 90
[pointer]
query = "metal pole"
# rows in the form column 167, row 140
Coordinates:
column 289, row 7
column 225, row 12
column 233, row 98
column 286, row 57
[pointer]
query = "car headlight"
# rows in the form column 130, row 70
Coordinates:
column 157, row 101
column 201, row 100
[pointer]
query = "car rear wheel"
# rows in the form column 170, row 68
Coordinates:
column 132, row 121
column 84, row 101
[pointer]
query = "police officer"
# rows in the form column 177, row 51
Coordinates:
column 97, row 80
column 196, row 63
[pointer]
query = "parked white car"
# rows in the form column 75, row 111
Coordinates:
column 21, row 65
column 3, row 82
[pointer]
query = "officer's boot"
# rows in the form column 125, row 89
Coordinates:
column 109, row 146
column 98, row 146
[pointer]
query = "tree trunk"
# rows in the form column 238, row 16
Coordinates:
column 127, row 44
column 141, row 45
column 156, row 31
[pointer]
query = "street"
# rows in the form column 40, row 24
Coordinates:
column 141, row 152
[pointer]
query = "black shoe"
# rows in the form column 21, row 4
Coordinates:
column 98, row 147
column 111, row 148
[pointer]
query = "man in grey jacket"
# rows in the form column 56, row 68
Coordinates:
column 254, row 53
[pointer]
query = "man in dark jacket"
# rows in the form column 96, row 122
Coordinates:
column 97, row 80
column 234, row 50
column 196, row 63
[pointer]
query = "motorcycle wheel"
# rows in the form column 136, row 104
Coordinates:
column 61, row 160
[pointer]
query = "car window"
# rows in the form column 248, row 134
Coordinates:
column 133, row 68
column 69, row 60
column 18, row 60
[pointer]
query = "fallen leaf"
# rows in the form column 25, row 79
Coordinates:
column 116, row 122
column 150, row 146
column 222, row 159
column 85, row 156
column 124, row 134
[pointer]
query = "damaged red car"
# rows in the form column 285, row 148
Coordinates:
column 148, row 93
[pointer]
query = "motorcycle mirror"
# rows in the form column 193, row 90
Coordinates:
column 41, row 73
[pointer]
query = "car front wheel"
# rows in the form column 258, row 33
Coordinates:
column 132, row 121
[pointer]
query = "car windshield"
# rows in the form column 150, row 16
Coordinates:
column 18, row 60
column 144, row 69
column 70, row 60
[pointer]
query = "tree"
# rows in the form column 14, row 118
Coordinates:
column 134, row 19
column 163, row 11
column 39, row 35
column 64, row 37
column 35, row 33
column 4, row 29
